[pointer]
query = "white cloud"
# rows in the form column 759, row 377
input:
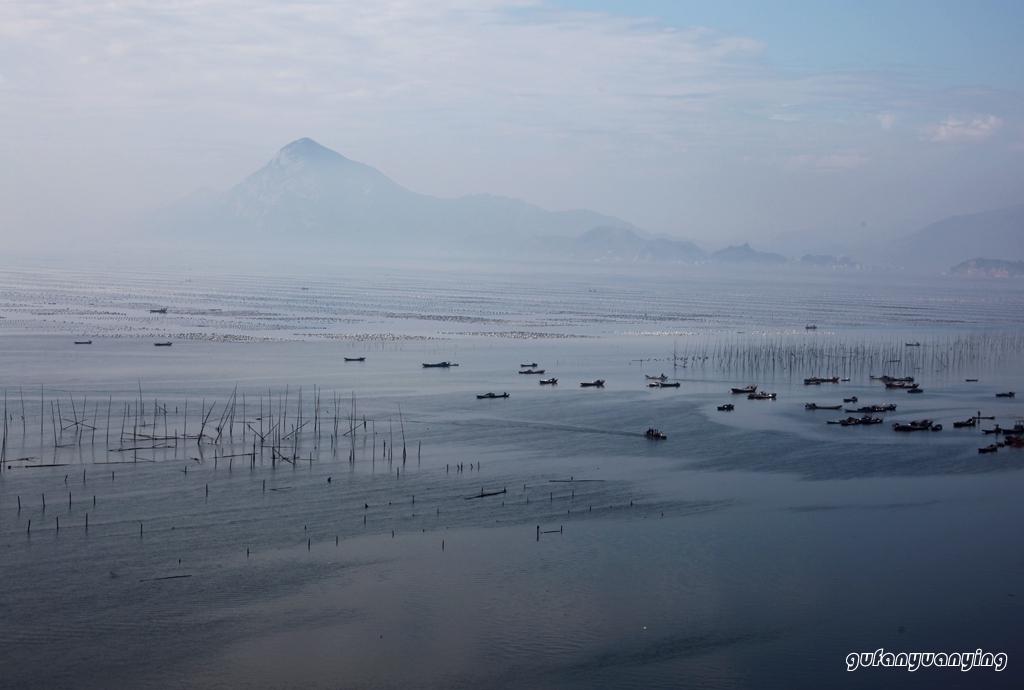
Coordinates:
column 887, row 120
column 957, row 128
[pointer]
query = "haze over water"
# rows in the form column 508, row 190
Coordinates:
column 753, row 548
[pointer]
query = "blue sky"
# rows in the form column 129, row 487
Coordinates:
column 942, row 42
column 716, row 121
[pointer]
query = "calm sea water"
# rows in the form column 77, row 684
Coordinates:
column 751, row 549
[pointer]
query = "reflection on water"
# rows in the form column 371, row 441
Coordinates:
column 751, row 549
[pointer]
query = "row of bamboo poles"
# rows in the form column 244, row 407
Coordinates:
column 280, row 425
column 772, row 354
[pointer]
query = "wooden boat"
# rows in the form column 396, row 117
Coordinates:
column 597, row 383
column 662, row 377
column 746, row 389
column 997, row 430
column 532, row 371
column 818, row 380
column 918, row 425
column 989, row 449
column 442, row 365
column 1014, row 441
column 857, row 421
column 490, row 396
column 850, row 400
column 891, row 379
column 971, row 380
column 355, row 359
column 161, row 310
column 167, row 344
column 528, row 366
column 83, row 342
column 654, row 434
column 761, row 396
column 549, row 382
column 815, row 406
column 1008, row 394
column 728, row 407
column 668, row 385
column 913, row 344
column 891, row 407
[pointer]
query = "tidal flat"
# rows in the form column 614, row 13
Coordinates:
column 247, row 508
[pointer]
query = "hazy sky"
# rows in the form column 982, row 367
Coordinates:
column 710, row 120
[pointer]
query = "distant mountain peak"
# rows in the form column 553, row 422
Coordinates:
column 306, row 150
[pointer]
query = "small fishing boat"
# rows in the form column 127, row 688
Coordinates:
column 967, row 423
column 528, row 366
column 1008, row 394
column 490, row 396
column 746, row 389
column 654, row 434
column 901, row 384
column 728, row 407
column 654, row 384
column 762, row 396
column 532, row 371
column 83, row 342
column 442, row 365
column 845, row 378
column 668, row 385
column 810, row 327
column 662, row 377
column 856, row 421
column 971, row 380
column 815, row 406
column 997, row 430
column 597, row 383
column 818, row 380
column 989, row 449
column 850, row 400
column 355, row 359
column 913, row 344
column 918, row 425
column 936, row 427
column 891, row 407
column 915, row 389
column 161, row 310
column 549, row 382
column 166, row 344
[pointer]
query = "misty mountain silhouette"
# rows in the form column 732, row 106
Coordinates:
column 310, row 194
column 996, row 234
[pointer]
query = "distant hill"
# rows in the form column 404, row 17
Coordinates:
column 990, row 268
column 310, row 195
column 616, row 245
column 992, row 233
column 744, row 254
column 827, row 261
